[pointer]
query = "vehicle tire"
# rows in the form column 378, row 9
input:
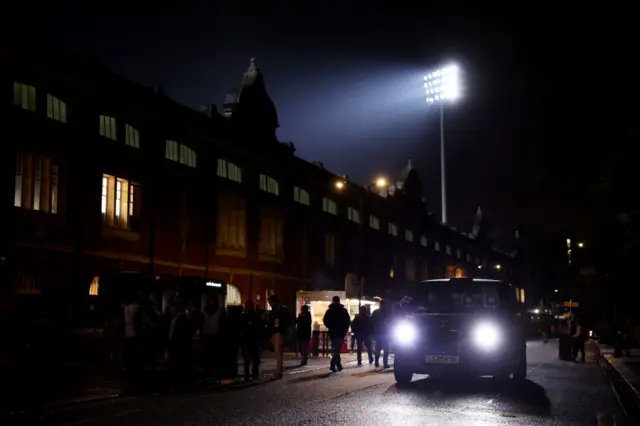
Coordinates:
column 520, row 373
column 403, row 377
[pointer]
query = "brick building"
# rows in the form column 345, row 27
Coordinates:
column 101, row 174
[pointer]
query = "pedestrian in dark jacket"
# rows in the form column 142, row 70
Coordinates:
column 337, row 320
column 361, row 328
column 279, row 321
column 381, row 320
column 303, row 333
column 252, row 329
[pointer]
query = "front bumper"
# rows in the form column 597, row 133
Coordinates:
column 465, row 361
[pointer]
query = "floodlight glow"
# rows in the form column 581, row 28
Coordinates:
column 445, row 82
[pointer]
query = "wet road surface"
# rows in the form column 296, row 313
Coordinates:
column 556, row 393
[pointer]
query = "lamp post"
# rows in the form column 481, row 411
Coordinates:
column 341, row 185
column 442, row 85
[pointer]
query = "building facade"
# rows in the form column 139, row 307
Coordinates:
column 100, row 174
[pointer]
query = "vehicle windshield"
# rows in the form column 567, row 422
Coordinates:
column 458, row 295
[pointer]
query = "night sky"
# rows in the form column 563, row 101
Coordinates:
column 546, row 94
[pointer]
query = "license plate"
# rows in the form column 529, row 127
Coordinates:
column 443, row 359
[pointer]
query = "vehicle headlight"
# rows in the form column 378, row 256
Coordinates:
column 405, row 333
column 486, row 335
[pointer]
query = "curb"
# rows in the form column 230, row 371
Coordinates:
column 627, row 395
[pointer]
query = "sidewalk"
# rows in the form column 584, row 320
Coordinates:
column 628, row 367
column 624, row 375
column 95, row 387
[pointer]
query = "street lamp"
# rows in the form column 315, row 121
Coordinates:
column 341, row 185
column 442, row 85
column 580, row 244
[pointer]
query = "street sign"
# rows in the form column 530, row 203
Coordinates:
column 570, row 304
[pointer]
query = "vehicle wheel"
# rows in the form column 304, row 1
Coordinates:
column 520, row 373
column 403, row 377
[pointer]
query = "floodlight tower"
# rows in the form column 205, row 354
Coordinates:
column 442, row 85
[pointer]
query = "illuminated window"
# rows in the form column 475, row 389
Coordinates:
column 408, row 235
column 120, row 202
column 392, row 272
column 329, row 206
column 232, row 223
column 271, row 234
column 36, row 184
column 393, row 229
column 353, row 215
column 269, row 184
column 94, row 287
column 234, row 297
column 229, row 170
column 374, row 222
column 171, row 150
column 132, row 136
column 301, row 196
column 330, row 249
column 410, row 270
column 423, row 241
column 188, row 156
column 24, row 96
column 108, row 127
column 56, row 109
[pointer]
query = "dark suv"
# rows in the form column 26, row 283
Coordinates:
column 459, row 326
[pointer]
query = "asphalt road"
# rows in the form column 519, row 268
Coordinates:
column 557, row 393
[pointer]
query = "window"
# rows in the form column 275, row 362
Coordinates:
column 374, row 222
column 436, row 245
column 271, row 234
column 228, row 170
column 330, row 249
column 56, row 109
column 458, row 253
column 468, row 257
column 171, row 150
column 301, row 196
column 132, row 136
column 232, row 232
column 329, row 206
column 408, row 235
column 269, row 184
column 448, row 250
column 120, row 203
column 108, row 127
column 393, row 229
column 392, row 272
column 94, row 287
column 188, row 156
column 425, row 270
column 234, row 297
column 423, row 241
column 36, row 184
column 24, row 96
column 353, row 215
column 410, row 270
column 478, row 261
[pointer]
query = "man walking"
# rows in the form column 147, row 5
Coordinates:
column 303, row 333
column 380, row 321
column 361, row 329
column 337, row 320
column 278, row 323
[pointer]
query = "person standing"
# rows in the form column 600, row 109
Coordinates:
column 380, row 321
column 278, row 324
column 132, row 347
column 303, row 333
column 212, row 325
column 578, row 336
column 361, row 329
column 251, row 334
column 337, row 320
